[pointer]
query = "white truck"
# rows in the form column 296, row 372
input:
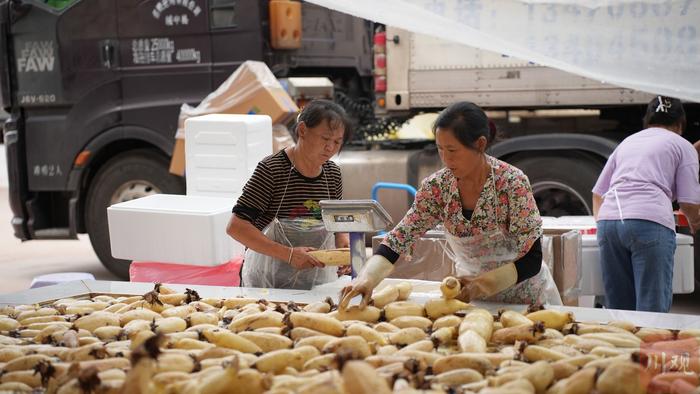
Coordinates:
column 559, row 128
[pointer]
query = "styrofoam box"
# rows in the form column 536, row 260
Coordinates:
column 171, row 228
column 222, row 151
column 592, row 276
column 588, row 221
column 568, row 223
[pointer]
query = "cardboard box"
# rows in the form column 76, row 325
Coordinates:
column 566, row 259
column 252, row 89
column 177, row 161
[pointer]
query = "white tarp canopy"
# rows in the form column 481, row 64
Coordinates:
column 652, row 45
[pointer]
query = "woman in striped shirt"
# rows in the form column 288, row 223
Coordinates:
column 278, row 217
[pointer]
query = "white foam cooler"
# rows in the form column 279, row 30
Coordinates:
column 592, row 277
column 222, row 151
column 173, row 229
column 568, row 223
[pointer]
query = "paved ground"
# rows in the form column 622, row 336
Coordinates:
column 22, row 261
column 3, row 166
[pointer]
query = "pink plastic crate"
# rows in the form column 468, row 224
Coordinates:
column 227, row 274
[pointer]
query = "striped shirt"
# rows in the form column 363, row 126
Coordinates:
column 262, row 194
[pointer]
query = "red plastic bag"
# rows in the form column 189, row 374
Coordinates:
column 227, row 274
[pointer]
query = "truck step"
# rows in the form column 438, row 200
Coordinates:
column 54, row 233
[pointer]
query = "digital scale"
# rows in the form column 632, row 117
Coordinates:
column 356, row 217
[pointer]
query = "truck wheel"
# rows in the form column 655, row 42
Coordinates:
column 562, row 185
column 125, row 177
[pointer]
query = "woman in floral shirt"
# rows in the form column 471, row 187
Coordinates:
column 478, row 199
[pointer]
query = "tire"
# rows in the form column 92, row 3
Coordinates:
column 562, row 184
column 127, row 176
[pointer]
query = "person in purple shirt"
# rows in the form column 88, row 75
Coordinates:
column 632, row 204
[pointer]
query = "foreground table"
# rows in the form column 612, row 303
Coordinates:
column 422, row 291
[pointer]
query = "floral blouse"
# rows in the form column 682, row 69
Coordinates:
column 438, row 202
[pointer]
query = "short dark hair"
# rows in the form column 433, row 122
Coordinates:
column 317, row 111
column 665, row 111
column 467, row 121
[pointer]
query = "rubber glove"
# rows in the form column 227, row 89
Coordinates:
column 489, row 283
column 375, row 270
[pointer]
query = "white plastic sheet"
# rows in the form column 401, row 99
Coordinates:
column 652, row 45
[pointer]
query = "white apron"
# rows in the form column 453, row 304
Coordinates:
column 477, row 254
column 260, row 270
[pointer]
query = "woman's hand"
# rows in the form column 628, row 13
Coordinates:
column 344, row 270
column 488, row 283
column 374, row 271
column 473, row 287
column 302, row 260
column 360, row 286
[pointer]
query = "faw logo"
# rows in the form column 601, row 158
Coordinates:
column 36, row 56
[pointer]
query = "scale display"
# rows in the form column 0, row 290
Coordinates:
column 344, row 218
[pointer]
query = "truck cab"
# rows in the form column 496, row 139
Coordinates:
column 93, row 91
